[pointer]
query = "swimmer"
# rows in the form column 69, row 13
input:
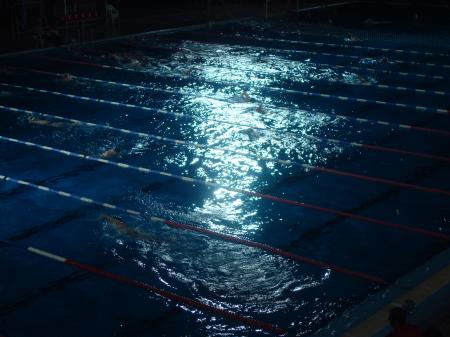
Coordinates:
column 260, row 108
column 191, row 70
column 112, row 153
column 385, row 60
column 43, row 122
column 165, row 67
column 123, row 228
column 251, row 133
column 351, row 38
column 116, row 57
column 5, row 93
column 36, row 121
column 363, row 80
column 66, row 77
column 135, row 64
column 246, row 97
column 370, row 22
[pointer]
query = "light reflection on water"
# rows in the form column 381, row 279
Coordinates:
column 226, row 275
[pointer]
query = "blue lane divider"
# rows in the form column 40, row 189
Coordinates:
column 272, row 198
column 211, row 233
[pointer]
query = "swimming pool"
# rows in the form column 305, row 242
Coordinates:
column 255, row 171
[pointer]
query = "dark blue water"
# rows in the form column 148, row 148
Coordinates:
column 204, row 75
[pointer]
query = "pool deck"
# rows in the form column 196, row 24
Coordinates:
column 427, row 286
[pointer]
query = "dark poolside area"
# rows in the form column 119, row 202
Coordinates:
column 225, row 168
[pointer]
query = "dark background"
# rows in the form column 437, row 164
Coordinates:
column 138, row 16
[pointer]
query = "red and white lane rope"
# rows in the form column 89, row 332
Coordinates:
column 189, row 302
column 273, row 198
column 441, row 110
column 337, row 55
column 201, row 230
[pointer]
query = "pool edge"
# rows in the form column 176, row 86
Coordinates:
column 369, row 318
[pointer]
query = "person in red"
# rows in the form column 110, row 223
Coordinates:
column 400, row 328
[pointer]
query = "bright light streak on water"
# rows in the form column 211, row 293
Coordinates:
column 243, row 105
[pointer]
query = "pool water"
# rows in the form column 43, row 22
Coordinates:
column 244, row 112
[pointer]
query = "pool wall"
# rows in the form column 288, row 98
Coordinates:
column 428, row 286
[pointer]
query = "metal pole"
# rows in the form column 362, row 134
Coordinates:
column 66, row 23
column 267, row 8
column 209, row 10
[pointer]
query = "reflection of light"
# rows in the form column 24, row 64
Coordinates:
column 235, row 71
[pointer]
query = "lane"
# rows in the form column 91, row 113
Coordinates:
column 160, row 47
column 201, row 230
column 239, row 38
column 400, row 89
column 182, row 115
column 225, row 150
column 256, row 324
column 325, row 139
column 213, row 184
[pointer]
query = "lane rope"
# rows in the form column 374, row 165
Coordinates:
column 353, row 57
column 205, row 231
column 393, row 72
column 212, row 184
column 243, row 153
column 192, row 303
column 368, row 84
column 309, row 53
column 182, row 115
column 178, row 142
column 383, row 71
column 266, row 130
column 420, row 108
column 365, row 84
column 389, row 72
column 354, row 46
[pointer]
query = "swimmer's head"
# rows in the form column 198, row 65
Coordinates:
column 67, row 77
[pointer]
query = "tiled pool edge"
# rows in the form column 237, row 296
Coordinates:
column 363, row 315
